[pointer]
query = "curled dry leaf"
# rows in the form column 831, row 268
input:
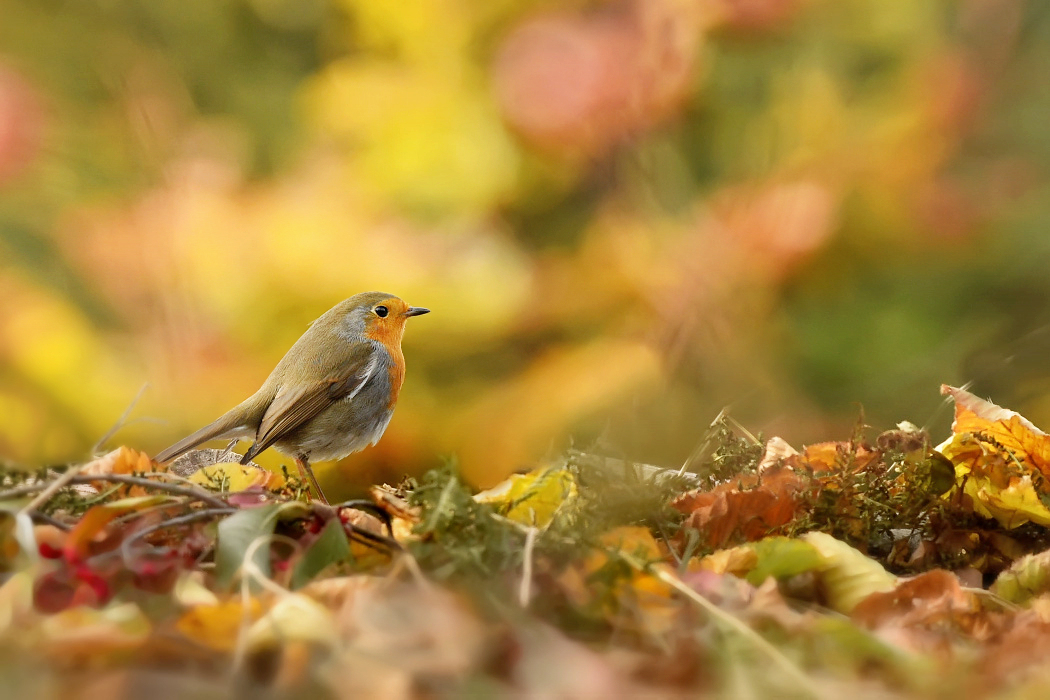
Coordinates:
column 1002, row 461
column 403, row 517
column 122, row 460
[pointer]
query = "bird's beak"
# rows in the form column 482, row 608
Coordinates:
column 416, row 311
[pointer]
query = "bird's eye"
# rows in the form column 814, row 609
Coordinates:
column 380, row 311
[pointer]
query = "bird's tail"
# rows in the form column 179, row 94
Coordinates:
column 227, row 426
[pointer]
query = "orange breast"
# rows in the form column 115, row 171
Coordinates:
column 389, row 335
column 397, row 374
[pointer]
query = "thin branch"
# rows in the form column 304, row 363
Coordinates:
column 525, row 590
column 121, row 422
column 371, row 539
column 37, row 516
column 173, row 522
column 192, row 492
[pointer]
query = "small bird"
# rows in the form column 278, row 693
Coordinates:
column 333, row 392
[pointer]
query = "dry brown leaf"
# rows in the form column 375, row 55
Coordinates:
column 923, row 611
column 748, row 508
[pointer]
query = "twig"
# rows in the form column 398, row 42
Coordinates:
column 48, row 520
column 992, row 597
column 120, row 421
column 731, row 622
column 371, row 539
column 525, row 590
column 173, row 522
column 192, row 492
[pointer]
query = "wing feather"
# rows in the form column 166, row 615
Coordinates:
column 293, row 406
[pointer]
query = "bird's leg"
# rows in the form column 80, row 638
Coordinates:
column 308, row 474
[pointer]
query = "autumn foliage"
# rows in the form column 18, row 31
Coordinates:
column 842, row 562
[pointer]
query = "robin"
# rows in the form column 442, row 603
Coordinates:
column 333, row 392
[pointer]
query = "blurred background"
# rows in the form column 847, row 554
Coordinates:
column 625, row 215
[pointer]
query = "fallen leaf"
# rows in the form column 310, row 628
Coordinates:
column 293, row 618
column 234, row 477
column 1002, row 461
column 122, row 460
column 923, row 609
column 329, row 548
column 782, row 557
column 747, row 508
column 532, row 499
column 219, row 626
column 848, row 576
column 1027, row 578
column 78, row 543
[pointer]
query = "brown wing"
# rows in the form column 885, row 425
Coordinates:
column 294, row 406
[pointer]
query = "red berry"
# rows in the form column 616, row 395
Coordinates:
column 49, row 552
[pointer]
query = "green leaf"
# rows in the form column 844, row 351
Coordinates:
column 782, row 557
column 848, row 576
column 236, row 535
column 330, row 548
column 1027, row 578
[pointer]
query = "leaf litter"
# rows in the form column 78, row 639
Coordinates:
column 884, row 566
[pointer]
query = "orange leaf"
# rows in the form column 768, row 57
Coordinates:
column 79, row 540
column 748, row 508
column 122, row 460
column 1001, row 460
column 929, row 605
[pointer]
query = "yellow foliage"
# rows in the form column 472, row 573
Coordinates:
column 1001, row 460
column 532, row 499
column 219, row 626
column 235, row 477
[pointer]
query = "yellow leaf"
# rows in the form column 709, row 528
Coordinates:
column 533, row 498
column 736, row 560
column 294, row 617
column 634, row 541
column 999, row 459
column 848, row 576
column 232, row 477
column 219, row 626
